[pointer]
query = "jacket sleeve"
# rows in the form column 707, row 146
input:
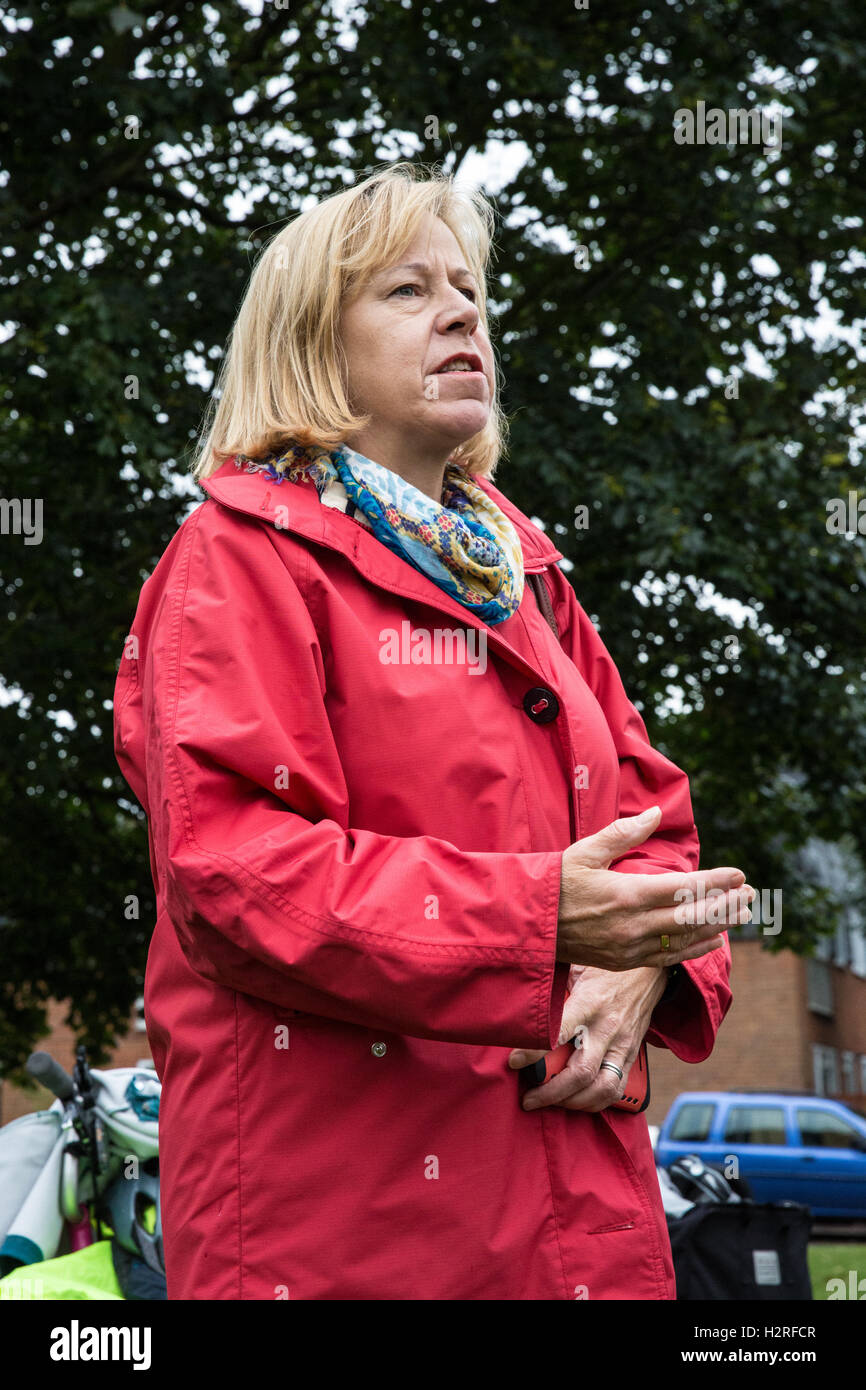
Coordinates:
column 270, row 890
column 687, row 1023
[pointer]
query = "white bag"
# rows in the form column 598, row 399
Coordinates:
column 26, row 1146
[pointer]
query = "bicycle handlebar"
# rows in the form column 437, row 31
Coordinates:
column 43, row 1068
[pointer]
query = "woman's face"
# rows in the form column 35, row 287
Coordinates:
column 402, row 326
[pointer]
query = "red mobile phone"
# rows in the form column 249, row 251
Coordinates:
column 636, row 1091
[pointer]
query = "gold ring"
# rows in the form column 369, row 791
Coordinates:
column 666, row 942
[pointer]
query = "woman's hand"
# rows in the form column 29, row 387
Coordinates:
column 617, row 921
column 610, row 1013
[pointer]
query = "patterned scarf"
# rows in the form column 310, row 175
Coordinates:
column 466, row 544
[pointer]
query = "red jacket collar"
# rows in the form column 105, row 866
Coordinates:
column 304, row 514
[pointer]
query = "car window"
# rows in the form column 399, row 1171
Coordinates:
column 755, row 1124
column 692, row 1122
column 822, row 1130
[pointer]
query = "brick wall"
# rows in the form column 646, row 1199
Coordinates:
column 765, row 1040
column 131, row 1049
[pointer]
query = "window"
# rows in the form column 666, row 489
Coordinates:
column 819, row 987
column 825, row 1070
column 822, row 1130
column 857, row 941
column 824, row 948
column 755, row 1124
column 863, row 1073
column 692, row 1123
column 849, row 1083
column 138, row 1023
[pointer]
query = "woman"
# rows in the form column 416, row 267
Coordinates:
column 392, row 817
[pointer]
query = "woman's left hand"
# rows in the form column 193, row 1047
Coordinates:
column 611, row 1011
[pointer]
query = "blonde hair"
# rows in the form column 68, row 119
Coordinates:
column 283, row 378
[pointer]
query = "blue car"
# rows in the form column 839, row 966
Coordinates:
column 789, row 1148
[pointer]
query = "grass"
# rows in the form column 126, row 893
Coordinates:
column 836, row 1262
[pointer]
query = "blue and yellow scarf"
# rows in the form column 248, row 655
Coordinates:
column 466, row 544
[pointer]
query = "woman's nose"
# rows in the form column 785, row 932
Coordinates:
column 459, row 309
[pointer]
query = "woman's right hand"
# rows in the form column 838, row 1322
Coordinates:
column 616, row 921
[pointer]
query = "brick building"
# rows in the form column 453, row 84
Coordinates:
column 132, row 1050
column 795, row 1023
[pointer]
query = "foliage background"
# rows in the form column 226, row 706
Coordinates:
column 128, row 256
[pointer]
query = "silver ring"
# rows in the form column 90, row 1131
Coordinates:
column 611, row 1066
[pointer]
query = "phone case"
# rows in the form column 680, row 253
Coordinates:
column 636, row 1089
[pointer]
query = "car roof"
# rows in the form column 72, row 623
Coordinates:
column 779, row 1097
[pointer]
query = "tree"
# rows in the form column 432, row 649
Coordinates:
column 125, row 252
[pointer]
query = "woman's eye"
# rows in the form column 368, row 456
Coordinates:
column 465, row 289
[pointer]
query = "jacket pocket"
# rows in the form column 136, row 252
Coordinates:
column 276, row 1013
column 628, row 1164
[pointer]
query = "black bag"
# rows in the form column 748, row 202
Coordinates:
column 742, row 1250
column 137, row 1280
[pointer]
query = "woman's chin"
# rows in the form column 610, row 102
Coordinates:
column 462, row 420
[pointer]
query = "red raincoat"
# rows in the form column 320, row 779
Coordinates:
column 357, row 868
